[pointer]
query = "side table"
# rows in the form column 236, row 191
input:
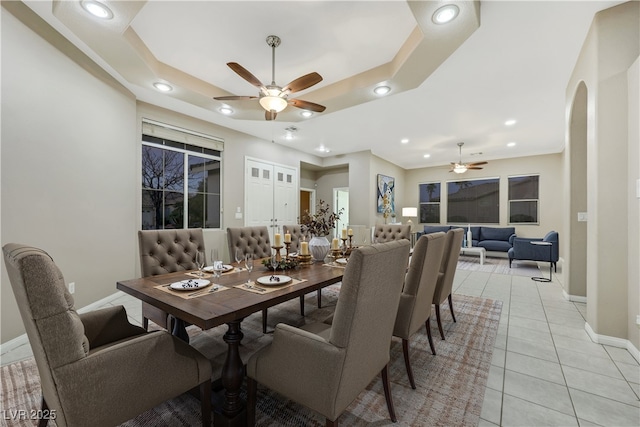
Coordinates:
column 550, row 245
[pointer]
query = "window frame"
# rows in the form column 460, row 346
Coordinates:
column 528, row 200
column 474, row 220
column 438, row 203
column 187, row 152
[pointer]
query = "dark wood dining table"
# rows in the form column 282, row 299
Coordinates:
column 228, row 307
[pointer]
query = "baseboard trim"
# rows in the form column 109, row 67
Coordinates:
column 23, row 339
column 612, row 341
column 574, row 298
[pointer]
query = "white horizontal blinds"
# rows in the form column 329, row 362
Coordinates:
column 173, row 133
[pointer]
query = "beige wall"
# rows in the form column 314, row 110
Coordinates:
column 549, row 167
column 606, row 66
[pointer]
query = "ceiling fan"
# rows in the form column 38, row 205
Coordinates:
column 463, row 167
column 274, row 98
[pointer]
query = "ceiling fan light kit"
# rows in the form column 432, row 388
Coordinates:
column 460, row 167
column 274, row 98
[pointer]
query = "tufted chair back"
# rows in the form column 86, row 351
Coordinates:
column 296, row 235
column 389, row 232
column 251, row 240
column 168, row 251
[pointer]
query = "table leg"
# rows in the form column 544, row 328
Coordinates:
column 233, row 411
column 179, row 328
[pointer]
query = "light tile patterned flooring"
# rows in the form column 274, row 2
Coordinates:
column 545, row 371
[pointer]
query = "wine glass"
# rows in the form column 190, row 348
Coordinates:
column 200, row 261
column 343, row 250
column 274, row 264
column 239, row 255
column 214, row 255
column 217, row 269
column 248, row 262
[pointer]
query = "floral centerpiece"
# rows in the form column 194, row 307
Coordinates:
column 319, row 225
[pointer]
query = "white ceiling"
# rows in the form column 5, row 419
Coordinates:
column 514, row 66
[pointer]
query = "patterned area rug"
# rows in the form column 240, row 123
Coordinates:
column 450, row 385
column 500, row 266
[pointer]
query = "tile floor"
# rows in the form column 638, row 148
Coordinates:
column 545, row 371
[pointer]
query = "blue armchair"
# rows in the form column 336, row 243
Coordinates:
column 523, row 249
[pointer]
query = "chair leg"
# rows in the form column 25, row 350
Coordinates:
column 145, row 323
column 555, row 267
column 407, row 363
column 387, row 393
column 264, row 321
column 302, row 305
column 205, row 403
column 439, row 321
column 510, row 262
column 252, row 387
column 44, row 420
column 428, row 325
column 319, row 298
column 451, row 308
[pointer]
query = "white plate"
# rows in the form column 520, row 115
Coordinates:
column 342, row 261
column 225, row 267
column 189, row 285
column 266, row 280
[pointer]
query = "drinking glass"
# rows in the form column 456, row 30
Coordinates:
column 214, row 255
column 239, row 256
column 248, row 262
column 274, row 264
column 217, row 269
column 343, row 249
column 200, row 261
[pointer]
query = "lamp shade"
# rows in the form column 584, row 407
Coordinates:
column 273, row 103
column 410, row 212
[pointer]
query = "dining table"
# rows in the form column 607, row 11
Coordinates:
column 228, row 300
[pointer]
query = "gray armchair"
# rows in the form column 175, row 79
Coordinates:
column 417, row 294
column 523, row 249
column 389, row 232
column 326, row 366
column 447, row 273
column 96, row 369
column 167, row 251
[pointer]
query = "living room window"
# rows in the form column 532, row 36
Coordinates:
column 523, row 199
column 475, row 201
column 181, row 183
column 429, row 199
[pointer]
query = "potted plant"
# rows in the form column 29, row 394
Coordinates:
column 319, row 225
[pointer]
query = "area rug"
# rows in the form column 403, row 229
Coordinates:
column 499, row 266
column 450, row 385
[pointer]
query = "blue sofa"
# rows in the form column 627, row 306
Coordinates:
column 523, row 249
column 497, row 239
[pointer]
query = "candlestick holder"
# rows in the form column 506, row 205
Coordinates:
column 287, row 248
column 304, row 259
column 351, row 241
column 277, row 249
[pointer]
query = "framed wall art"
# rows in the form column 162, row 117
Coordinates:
column 386, row 194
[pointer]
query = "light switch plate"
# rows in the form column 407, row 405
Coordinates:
column 238, row 215
column 582, row 216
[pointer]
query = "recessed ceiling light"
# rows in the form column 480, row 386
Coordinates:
column 382, row 90
column 162, row 87
column 323, row 149
column 445, row 14
column 404, row 140
column 97, row 9
column 426, row 156
column 288, row 137
column 511, row 144
column 226, row 110
column 510, row 122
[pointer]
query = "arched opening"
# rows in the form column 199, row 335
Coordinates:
column 576, row 275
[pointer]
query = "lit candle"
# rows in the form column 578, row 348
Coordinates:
column 287, row 238
column 334, row 243
column 350, row 232
column 344, row 233
column 277, row 239
column 304, row 248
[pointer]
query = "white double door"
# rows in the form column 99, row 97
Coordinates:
column 271, row 195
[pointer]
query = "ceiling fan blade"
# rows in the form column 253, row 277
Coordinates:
column 303, row 82
column 234, row 98
column 270, row 115
column 473, row 167
column 245, row 74
column 476, row 163
column 306, row 105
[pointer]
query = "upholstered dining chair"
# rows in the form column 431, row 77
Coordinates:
column 167, row 251
column 447, row 273
column 389, row 232
column 325, row 366
column 417, row 294
column 252, row 241
column 97, row 369
column 297, row 236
